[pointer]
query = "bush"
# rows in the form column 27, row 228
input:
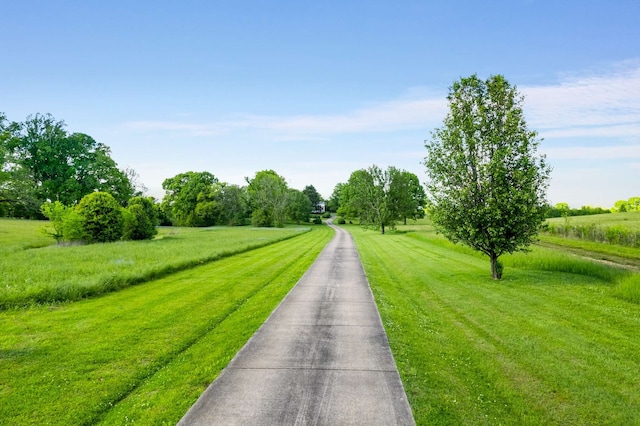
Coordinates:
column 140, row 219
column 101, row 217
column 326, row 215
column 341, row 221
column 317, row 221
column 66, row 221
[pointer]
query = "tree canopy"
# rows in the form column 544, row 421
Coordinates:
column 487, row 184
column 379, row 197
column 42, row 162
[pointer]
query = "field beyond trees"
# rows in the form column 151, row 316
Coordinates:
column 552, row 343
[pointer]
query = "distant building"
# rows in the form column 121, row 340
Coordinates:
column 319, row 208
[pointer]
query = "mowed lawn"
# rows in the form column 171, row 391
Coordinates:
column 538, row 347
column 143, row 354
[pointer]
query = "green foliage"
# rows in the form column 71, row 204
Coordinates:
column 379, row 197
column 326, row 215
column 189, row 198
column 486, row 184
column 341, row 221
column 140, row 219
column 298, row 206
column 268, row 197
column 101, row 216
column 66, row 221
column 317, row 221
column 333, row 203
column 313, row 195
column 48, row 164
column 563, row 209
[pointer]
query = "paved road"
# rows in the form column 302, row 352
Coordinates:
column 322, row 357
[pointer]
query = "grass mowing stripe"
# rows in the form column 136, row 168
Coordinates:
column 57, row 273
column 538, row 347
column 72, row 364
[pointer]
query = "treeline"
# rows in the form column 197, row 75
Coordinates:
column 200, row 199
column 41, row 161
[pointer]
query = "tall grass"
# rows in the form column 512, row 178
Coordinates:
column 619, row 229
column 67, row 273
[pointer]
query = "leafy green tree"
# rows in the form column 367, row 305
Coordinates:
column 314, row 197
column 48, row 164
column 141, row 219
column 299, row 206
column 101, row 217
column 183, row 192
column 369, row 196
column 268, row 196
column 407, row 194
column 333, row 203
column 233, row 201
column 486, row 184
column 634, row 204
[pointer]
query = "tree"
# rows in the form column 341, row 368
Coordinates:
column 313, row 195
column 634, row 204
column 407, row 194
column 333, row 204
column 369, row 195
column 486, row 184
column 183, row 193
column 268, row 196
column 48, row 164
column 299, row 206
column 233, row 201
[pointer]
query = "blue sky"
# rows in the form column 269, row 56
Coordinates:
column 316, row 90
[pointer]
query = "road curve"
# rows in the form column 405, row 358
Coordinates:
column 322, row 357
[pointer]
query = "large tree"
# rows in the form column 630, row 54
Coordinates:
column 45, row 163
column 187, row 198
column 376, row 197
column 315, row 198
column 268, row 195
column 408, row 194
column 487, row 184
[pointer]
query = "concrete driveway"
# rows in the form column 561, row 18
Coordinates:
column 322, row 357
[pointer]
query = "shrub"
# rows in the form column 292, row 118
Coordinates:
column 140, row 219
column 326, row 215
column 317, row 221
column 341, row 221
column 101, row 217
column 66, row 221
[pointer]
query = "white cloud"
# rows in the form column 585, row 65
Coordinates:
column 597, row 105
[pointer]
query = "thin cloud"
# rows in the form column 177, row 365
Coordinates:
column 619, row 152
column 597, row 105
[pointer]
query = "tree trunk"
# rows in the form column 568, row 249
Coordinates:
column 496, row 267
column 382, row 229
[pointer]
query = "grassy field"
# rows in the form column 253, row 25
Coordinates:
column 630, row 220
column 144, row 354
column 620, row 229
column 542, row 346
column 65, row 273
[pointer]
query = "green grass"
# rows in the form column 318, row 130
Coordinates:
column 66, row 273
column 630, row 220
column 17, row 235
column 542, row 346
column 143, row 354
